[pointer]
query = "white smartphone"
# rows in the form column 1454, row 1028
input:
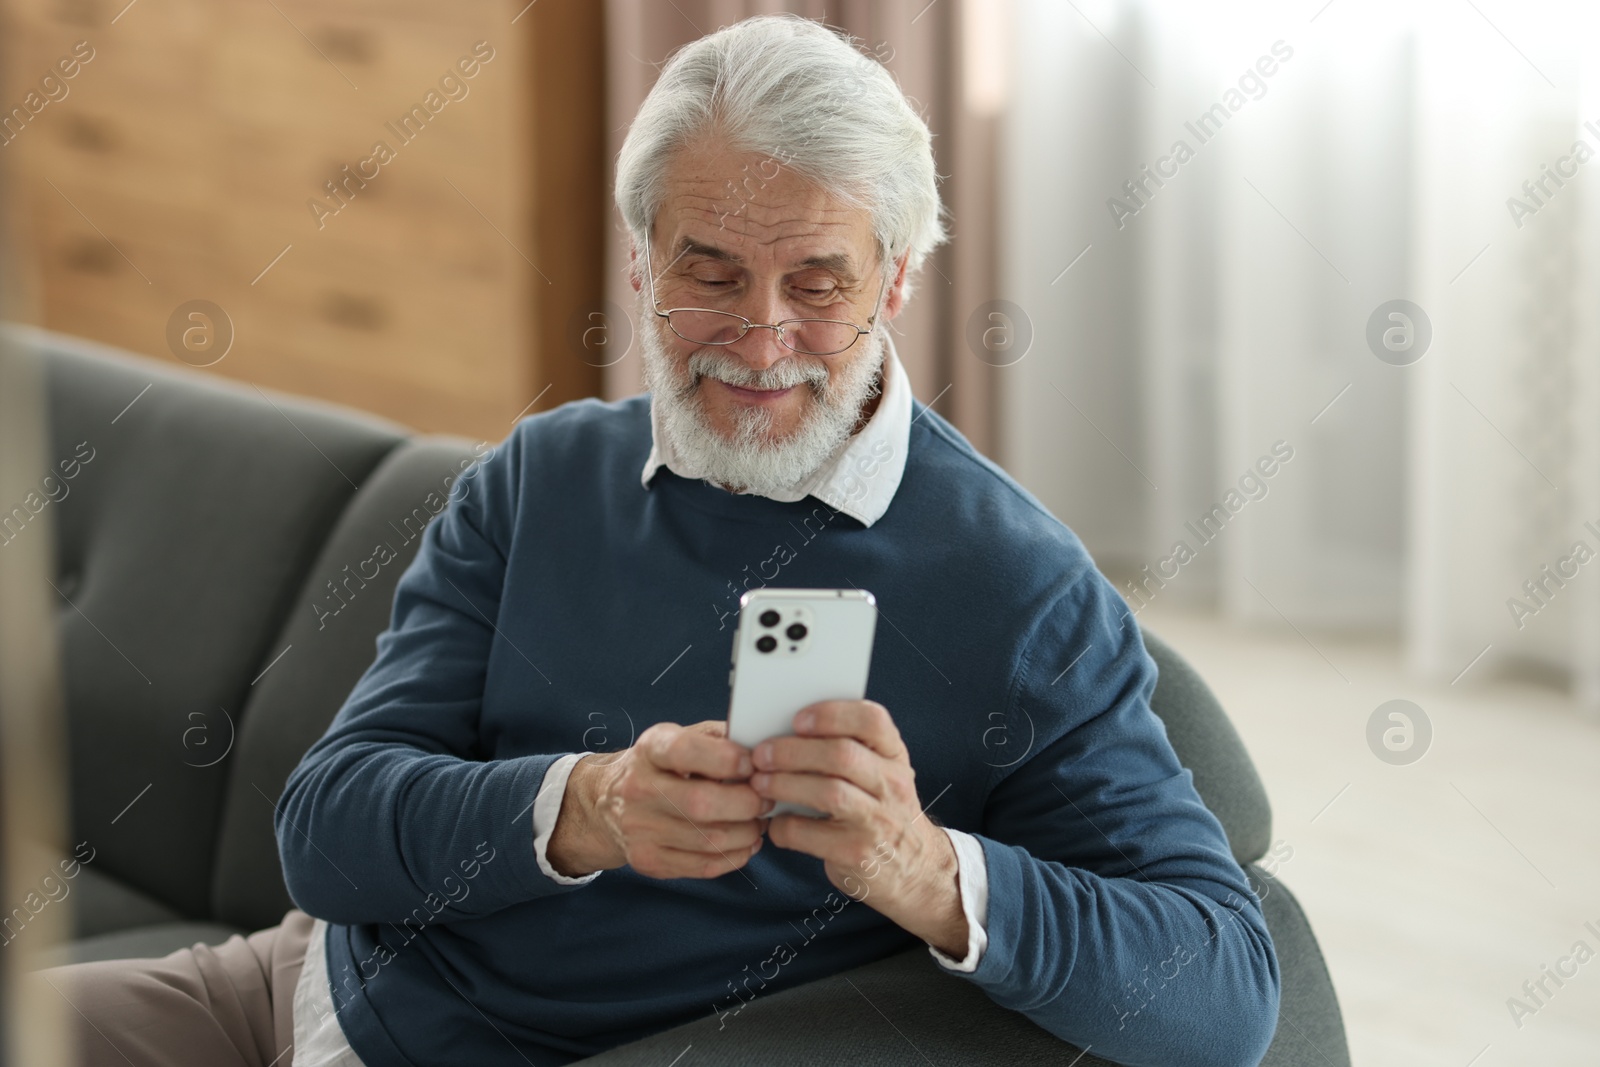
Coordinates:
column 794, row 647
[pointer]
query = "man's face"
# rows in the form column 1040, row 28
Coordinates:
column 740, row 233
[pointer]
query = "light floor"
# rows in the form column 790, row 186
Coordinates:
column 1437, row 888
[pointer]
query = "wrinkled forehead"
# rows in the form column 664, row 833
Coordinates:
column 748, row 211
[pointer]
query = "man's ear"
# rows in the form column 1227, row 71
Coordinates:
column 633, row 266
column 897, row 299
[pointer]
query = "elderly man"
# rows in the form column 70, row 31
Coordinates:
column 485, row 879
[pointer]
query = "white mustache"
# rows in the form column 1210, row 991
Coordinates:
column 781, row 375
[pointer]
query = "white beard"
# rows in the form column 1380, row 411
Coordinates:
column 750, row 461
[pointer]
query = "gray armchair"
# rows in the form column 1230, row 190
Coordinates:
column 194, row 556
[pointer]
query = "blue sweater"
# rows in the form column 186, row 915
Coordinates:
column 557, row 606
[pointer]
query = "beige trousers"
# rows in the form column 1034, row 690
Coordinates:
column 229, row 1005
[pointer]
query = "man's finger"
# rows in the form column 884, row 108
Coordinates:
column 702, row 800
column 865, row 720
column 695, row 751
column 821, row 792
column 711, row 838
column 667, row 862
column 844, row 757
column 814, row 837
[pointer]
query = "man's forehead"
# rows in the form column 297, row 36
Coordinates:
column 720, row 206
column 796, row 236
column 806, row 256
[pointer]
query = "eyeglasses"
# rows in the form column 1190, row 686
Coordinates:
column 811, row 337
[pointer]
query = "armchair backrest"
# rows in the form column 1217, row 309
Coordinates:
column 192, row 517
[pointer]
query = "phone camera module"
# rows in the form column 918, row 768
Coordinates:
column 796, row 631
column 766, row 643
column 770, row 618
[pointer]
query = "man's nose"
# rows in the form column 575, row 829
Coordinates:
column 760, row 347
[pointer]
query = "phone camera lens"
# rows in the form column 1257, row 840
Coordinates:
column 796, row 631
column 770, row 618
column 766, row 643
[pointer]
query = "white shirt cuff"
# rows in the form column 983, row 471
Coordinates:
column 547, row 808
column 972, row 876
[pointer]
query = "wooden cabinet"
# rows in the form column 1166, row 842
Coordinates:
column 183, row 160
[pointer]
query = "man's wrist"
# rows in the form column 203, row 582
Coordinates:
column 949, row 933
column 972, row 879
column 931, row 907
column 577, row 845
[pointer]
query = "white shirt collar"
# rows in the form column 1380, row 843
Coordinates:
column 859, row 479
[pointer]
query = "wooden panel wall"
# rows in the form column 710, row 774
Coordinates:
column 573, row 208
column 260, row 156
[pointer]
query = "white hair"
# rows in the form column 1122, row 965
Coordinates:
column 809, row 98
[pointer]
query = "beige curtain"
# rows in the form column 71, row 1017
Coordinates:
column 922, row 45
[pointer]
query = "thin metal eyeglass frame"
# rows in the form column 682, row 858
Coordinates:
column 748, row 325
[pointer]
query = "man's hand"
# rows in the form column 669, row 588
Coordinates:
column 848, row 761
column 661, row 807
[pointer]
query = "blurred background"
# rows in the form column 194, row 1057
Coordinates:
column 1287, row 309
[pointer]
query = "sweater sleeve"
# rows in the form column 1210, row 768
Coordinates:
column 396, row 804
column 1118, row 919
